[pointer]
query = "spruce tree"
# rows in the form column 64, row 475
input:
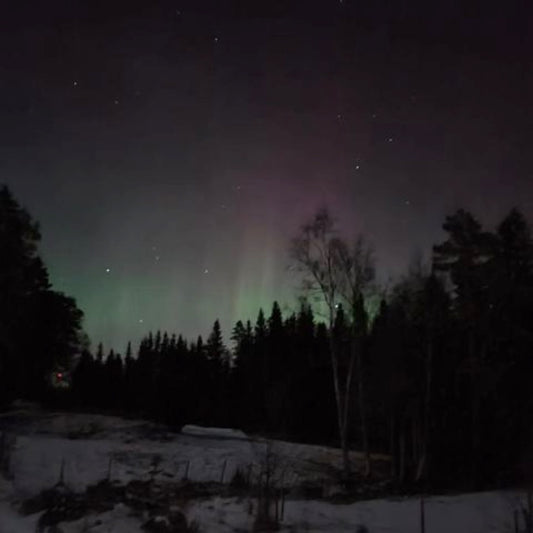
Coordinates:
column 466, row 257
column 40, row 329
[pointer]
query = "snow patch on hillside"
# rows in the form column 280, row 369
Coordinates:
column 89, row 448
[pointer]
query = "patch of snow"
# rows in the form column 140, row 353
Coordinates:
column 118, row 520
column 214, row 433
column 12, row 522
column 136, row 450
column 469, row 513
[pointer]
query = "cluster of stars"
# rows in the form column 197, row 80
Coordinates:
column 388, row 140
column 157, row 258
column 339, row 116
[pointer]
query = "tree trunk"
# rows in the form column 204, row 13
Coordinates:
column 356, row 353
column 343, row 436
column 362, row 412
column 414, row 439
column 392, row 446
column 401, row 473
column 422, row 515
column 475, row 408
column 423, row 460
column 346, row 409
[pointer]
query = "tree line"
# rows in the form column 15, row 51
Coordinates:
column 270, row 382
column 436, row 375
column 434, row 371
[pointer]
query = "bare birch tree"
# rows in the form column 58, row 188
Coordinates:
column 315, row 254
column 356, row 265
column 335, row 272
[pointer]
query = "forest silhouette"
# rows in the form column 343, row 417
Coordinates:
column 438, row 375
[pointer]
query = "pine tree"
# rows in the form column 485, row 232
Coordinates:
column 466, row 257
column 100, row 353
column 511, row 325
column 157, row 341
column 40, row 329
column 127, row 400
column 218, row 363
column 259, row 371
column 277, row 356
column 275, row 372
column 165, row 343
column 215, row 345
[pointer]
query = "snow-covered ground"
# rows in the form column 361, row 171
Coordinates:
column 85, row 449
column 84, row 444
column 488, row 512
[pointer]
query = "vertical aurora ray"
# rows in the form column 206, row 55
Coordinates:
column 216, row 151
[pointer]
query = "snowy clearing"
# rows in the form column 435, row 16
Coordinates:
column 84, row 449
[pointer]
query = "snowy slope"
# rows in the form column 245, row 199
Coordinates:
column 488, row 512
column 86, row 447
column 43, row 444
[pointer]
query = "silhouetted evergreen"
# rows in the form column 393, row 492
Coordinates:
column 40, row 329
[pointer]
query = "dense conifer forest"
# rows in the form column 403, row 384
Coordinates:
column 435, row 370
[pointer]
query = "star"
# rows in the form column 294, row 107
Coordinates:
column 108, row 270
column 357, row 167
column 156, row 258
column 75, row 83
column 407, row 202
column 141, row 320
column 215, row 39
column 116, row 101
column 390, row 139
column 206, row 271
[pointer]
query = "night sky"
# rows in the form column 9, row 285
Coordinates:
column 171, row 149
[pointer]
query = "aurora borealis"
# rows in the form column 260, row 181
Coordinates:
column 171, row 149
